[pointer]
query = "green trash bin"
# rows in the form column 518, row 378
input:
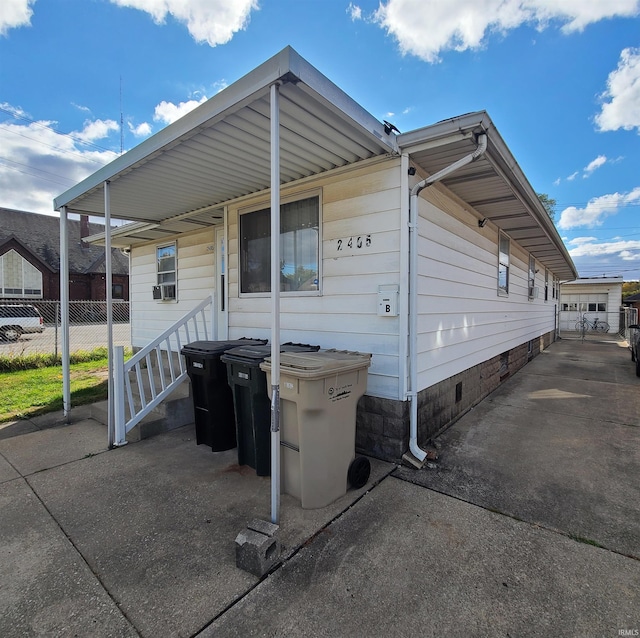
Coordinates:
column 251, row 402
column 212, row 397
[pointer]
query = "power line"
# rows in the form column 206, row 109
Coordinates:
column 75, row 138
column 13, row 168
column 57, row 148
column 33, row 168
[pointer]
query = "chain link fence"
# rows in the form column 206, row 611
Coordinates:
column 87, row 330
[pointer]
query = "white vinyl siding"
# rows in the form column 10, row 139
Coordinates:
column 356, row 205
column 462, row 322
column 196, row 269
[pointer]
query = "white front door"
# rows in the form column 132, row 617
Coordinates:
column 221, row 286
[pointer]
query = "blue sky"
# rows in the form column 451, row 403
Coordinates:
column 559, row 78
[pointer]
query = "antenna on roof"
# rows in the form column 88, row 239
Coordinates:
column 121, row 121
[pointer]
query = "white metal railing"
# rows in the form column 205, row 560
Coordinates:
column 138, row 391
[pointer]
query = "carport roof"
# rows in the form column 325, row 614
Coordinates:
column 180, row 178
column 221, row 150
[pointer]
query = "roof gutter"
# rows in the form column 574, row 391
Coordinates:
column 418, row 454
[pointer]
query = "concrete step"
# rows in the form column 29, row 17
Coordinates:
column 174, row 412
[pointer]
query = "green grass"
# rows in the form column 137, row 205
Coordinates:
column 32, row 361
column 26, row 393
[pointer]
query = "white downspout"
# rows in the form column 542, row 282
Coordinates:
column 414, row 448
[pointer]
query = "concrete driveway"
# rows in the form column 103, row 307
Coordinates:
column 527, row 526
column 557, row 445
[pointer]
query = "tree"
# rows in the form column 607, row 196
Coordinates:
column 549, row 205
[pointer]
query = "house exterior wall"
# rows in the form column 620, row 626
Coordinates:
column 463, row 322
column 470, row 338
column 196, row 280
column 359, row 203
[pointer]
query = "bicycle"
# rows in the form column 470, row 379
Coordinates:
column 584, row 325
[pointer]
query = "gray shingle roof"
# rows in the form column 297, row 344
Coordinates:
column 40, row 234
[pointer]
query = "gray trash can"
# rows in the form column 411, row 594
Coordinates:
column 319, row 393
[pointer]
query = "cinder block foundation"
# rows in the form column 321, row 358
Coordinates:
column 382, row 427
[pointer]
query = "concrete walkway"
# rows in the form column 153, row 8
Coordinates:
column 528, row 525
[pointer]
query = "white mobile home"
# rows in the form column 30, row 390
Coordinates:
column 428, row 249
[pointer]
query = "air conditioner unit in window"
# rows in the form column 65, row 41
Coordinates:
column 164, row 291
column 533, row 292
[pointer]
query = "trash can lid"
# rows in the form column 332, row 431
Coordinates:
column 257, row 353
column 212, row 348
column 320, row 364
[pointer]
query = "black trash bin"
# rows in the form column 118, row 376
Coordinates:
column 212, row 397
column 251, row 401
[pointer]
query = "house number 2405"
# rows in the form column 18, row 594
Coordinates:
column 355, row 242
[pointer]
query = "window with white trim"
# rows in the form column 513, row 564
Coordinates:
column 166, row 264
column 299, row 248
column 504, row 249
column 531, row 282
column 546, row 285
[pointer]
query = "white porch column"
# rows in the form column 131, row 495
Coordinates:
column 275, row 303
column 111, row 428
column 64, row 313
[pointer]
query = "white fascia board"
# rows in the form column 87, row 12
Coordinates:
column 287, row 65
column 463, row 124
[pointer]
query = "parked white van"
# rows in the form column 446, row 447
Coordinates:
column 19, row 319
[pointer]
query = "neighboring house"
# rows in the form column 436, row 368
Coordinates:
column 30, row 259
column 451, row 288
column 592, row 297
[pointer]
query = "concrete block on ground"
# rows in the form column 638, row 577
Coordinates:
column 258, row 548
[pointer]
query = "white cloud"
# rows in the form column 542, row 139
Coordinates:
column 622, row 108
column 85, row 109
column 594, row 165
column 142, row 130
column 557, row 181
column 627, row 250
column 15, row 13
column 594, row 213
column 38, row 163
column 97, row 130
column 167, row 112
column 211, row 21
column 427, row 29
column 572, row 176
column 354, row 11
